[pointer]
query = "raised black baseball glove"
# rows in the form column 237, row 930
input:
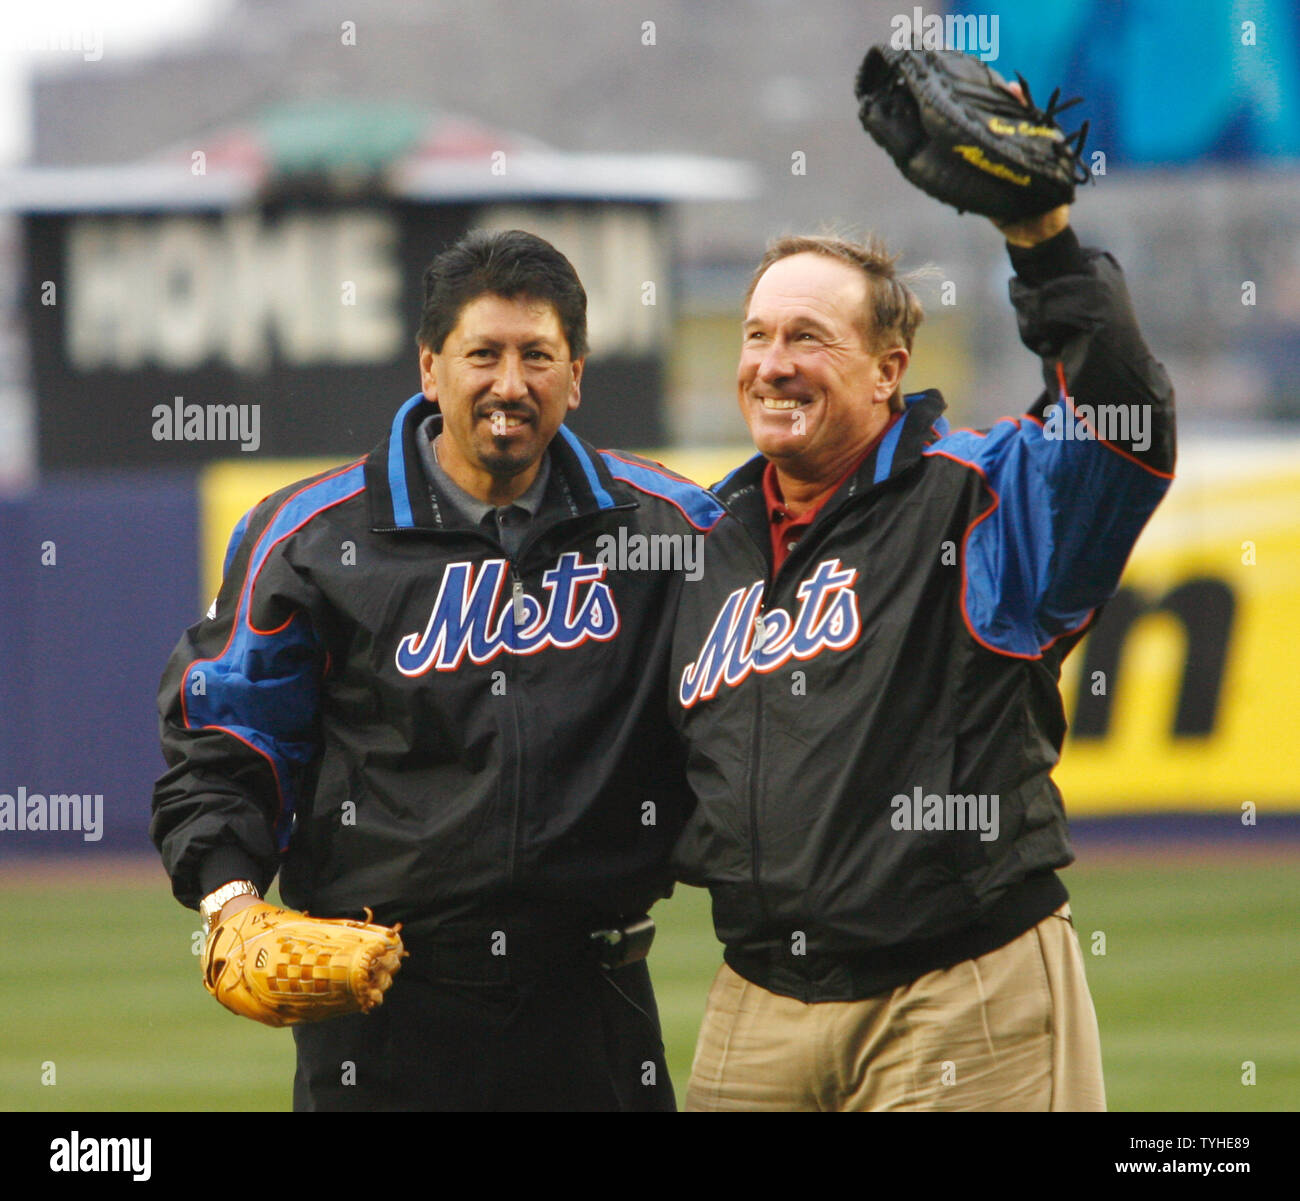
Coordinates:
column 956, row 131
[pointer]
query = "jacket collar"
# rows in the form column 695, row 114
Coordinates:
column 400, row 495
column 923, row 424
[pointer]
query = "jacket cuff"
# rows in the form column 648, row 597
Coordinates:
column 226, row 864
column 1059, row 255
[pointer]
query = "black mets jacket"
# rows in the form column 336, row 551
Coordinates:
column 872, row 732
column 390, row 711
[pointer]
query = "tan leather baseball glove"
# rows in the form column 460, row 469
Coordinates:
column 281, row 968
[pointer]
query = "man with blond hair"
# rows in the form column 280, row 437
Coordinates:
column 866, row 674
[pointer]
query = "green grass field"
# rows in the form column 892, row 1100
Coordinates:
column 1200, row 975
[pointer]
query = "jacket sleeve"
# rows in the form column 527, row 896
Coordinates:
column 1073, row 481
column 238, row 719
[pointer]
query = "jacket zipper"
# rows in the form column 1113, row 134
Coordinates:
column 516, row 604
column 754, row 778
column 755, row 775
column 515, row 727
column 516, row 793
column 755, row 845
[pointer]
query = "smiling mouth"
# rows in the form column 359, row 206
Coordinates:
column 780, row 403
column 503, row 422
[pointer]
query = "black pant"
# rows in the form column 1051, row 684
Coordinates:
column 576, row 1037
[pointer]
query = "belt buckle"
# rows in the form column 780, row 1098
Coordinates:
column 621, row 945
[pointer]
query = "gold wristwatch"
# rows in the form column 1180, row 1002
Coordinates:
column 210, row 906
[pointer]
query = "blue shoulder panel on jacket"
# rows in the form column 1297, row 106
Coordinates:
column 698, row 507
column 1052, row 543
column 263, row 687
column 1000, row 588
column 300, row 508
column 236, row 537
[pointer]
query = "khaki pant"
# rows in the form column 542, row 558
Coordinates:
column 1012, row 1030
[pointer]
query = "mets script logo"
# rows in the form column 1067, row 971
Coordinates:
column 742, row 640
column 467, row 617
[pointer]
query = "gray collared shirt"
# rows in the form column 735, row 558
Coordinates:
column 507, row 523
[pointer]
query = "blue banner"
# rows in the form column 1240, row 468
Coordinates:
column 1164, row 81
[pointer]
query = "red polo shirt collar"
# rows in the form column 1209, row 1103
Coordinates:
column 784, row 527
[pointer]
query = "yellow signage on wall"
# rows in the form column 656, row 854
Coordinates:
column 1187, row 693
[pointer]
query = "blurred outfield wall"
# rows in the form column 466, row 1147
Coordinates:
column 1183, row 699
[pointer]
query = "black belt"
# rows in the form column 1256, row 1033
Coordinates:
column 514, row 950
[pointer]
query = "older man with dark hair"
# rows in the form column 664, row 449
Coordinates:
column 423, row 691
